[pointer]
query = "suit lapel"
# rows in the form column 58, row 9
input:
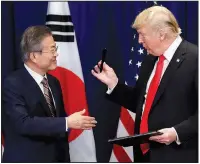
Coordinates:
column 174, row 64
column 36, row 92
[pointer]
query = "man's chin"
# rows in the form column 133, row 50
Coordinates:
column 53, row 67
column 150, row 52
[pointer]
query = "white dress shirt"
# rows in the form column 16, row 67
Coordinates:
column 168, row 54
column 38, row 78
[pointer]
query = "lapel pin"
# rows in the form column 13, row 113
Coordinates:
column 178, row 60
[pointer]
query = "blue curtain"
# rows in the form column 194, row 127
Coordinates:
column 97, row 25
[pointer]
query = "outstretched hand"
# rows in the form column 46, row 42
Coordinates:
column 78, row 121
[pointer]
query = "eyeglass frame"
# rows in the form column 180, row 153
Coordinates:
column 55, row 51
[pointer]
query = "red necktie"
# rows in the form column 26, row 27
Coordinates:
column 149, row 100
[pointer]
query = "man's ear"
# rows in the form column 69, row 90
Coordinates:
column 33, row 57
column 162, row 34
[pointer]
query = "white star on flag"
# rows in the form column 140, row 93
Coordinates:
column 132, row 49
column 141, row 51
column 139, row 64
column 130, row 62
column 136, row 76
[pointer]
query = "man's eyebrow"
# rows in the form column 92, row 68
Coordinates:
column 53, row 46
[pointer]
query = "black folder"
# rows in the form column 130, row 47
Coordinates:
column 135, row 139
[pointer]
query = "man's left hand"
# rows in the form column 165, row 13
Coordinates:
column 168, row 136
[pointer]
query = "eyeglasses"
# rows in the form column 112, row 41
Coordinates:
column 53, row 51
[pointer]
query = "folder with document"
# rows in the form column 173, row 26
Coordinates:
column 135, row 139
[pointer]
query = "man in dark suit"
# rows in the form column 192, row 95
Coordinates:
column 34, row 121
column 165, row 97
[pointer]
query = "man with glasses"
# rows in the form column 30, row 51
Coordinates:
column 35, row 123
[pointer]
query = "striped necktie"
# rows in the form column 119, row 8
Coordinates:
column 48, row 97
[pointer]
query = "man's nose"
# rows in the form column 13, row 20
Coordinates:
column 140, row 39
column 56, row 54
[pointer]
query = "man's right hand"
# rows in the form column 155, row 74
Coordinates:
column 78, row 121
column 107, row 76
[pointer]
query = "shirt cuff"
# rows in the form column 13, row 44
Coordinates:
column 66, row 124
column 177, row 138
column 109, row 91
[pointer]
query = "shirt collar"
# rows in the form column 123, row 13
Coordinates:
column 37, row 77
column 168, row 54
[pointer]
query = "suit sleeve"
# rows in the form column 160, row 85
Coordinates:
column 124, row 96
column 189, row 128
column 15, row 109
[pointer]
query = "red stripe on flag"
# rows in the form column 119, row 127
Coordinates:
column 2, row 140
column 121, row 154
column 127, row 121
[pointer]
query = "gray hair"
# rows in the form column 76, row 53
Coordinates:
column 31, row 40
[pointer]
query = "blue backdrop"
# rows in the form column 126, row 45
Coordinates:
column 97, row 25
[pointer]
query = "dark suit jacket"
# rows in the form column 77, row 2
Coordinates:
column 31, row 134
column 175, row 105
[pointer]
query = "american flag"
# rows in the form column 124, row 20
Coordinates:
column 134, row 61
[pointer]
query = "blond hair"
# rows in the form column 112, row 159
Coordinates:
column 158, row 17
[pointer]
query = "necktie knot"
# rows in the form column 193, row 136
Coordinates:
column 161, row 58
column 44, row 81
